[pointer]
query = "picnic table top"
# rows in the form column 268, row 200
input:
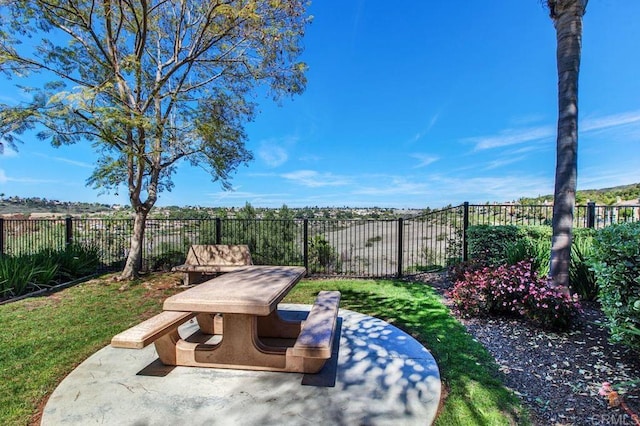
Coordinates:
column 255, row 290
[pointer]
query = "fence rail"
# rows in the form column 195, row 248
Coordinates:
column 354, row 247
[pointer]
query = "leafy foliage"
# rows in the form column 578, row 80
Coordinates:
column 616, row 263
column 150, row 86
column 272, row 240
column 514, row 290
column 496, row 245
column 581, row 276
column 488, row 244
column 19, row 275
column 169, row 256
column 535, row 251
column 323, row 257
column 23, row 274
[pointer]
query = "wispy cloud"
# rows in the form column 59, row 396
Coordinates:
column 433, row 121
column 273, row 156
column 311, row 158
column 515, row 136
column 73, row 162
column 610, row 121
column 314, row 179
column 423, row 133
column 510, row 137
column 493, row 188
column 220, row 196
column 439, row 190
column 415, row 138
column 527, row 120
column 273, row 152
column 5, row 179
column 529, row 149
column 424, row 159
column 598, row 177
column 505, row 161
column 82, row 164
column 395, row 186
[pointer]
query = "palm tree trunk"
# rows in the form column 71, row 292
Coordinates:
column 567, row 18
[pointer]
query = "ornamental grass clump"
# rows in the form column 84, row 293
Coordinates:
column 514, row 290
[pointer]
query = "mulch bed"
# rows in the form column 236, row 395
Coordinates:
column 558, row 375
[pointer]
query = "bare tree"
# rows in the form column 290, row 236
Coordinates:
column 149, row 83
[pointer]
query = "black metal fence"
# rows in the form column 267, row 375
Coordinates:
column 587, row 216
column 365, row 248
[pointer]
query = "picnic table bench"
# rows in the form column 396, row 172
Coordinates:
column 252, row 335
column 213, row 259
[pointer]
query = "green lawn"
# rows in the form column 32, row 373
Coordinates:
column 43, row 339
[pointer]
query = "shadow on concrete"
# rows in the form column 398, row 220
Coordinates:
column 378, row 375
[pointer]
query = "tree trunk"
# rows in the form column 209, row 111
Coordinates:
column 134, row 259
column 567, row 17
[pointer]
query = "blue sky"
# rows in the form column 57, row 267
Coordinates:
column 409, row 104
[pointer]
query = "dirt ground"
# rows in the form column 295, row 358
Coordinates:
column 558, row 376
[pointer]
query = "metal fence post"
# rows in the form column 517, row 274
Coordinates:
column 465, row 226
column 68, row 222
column 305, row 244
column 591, row 214
column 400, row 246
column 218, row 230
column 1, row 235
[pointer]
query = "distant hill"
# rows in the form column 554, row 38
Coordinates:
column 18, row 205
column 35, row 205
column 605, row 196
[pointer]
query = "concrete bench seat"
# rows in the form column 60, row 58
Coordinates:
column 318, row 330
column 251, row 335
column 213, row 259
column 141, row 335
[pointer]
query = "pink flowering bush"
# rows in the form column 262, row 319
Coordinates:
column 513, row 290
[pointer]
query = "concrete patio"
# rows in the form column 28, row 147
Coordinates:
column 378, row 375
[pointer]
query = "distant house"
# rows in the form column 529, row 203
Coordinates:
column 631, row 214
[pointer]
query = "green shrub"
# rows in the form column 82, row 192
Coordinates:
column 536, row 233
column 322, row 256
column 78, row 260
column 453, row 250
column 372, row 240
column 169, row 256
column 488, row 244
column 616, row 263
column 27, row 273
column 497, row 245
column 166, row 260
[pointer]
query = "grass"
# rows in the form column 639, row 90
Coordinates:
column 475, row 394
column 45, row 338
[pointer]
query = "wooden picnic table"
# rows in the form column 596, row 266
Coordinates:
column 240, row 310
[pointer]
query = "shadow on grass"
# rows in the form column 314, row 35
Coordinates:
column 476, row 394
